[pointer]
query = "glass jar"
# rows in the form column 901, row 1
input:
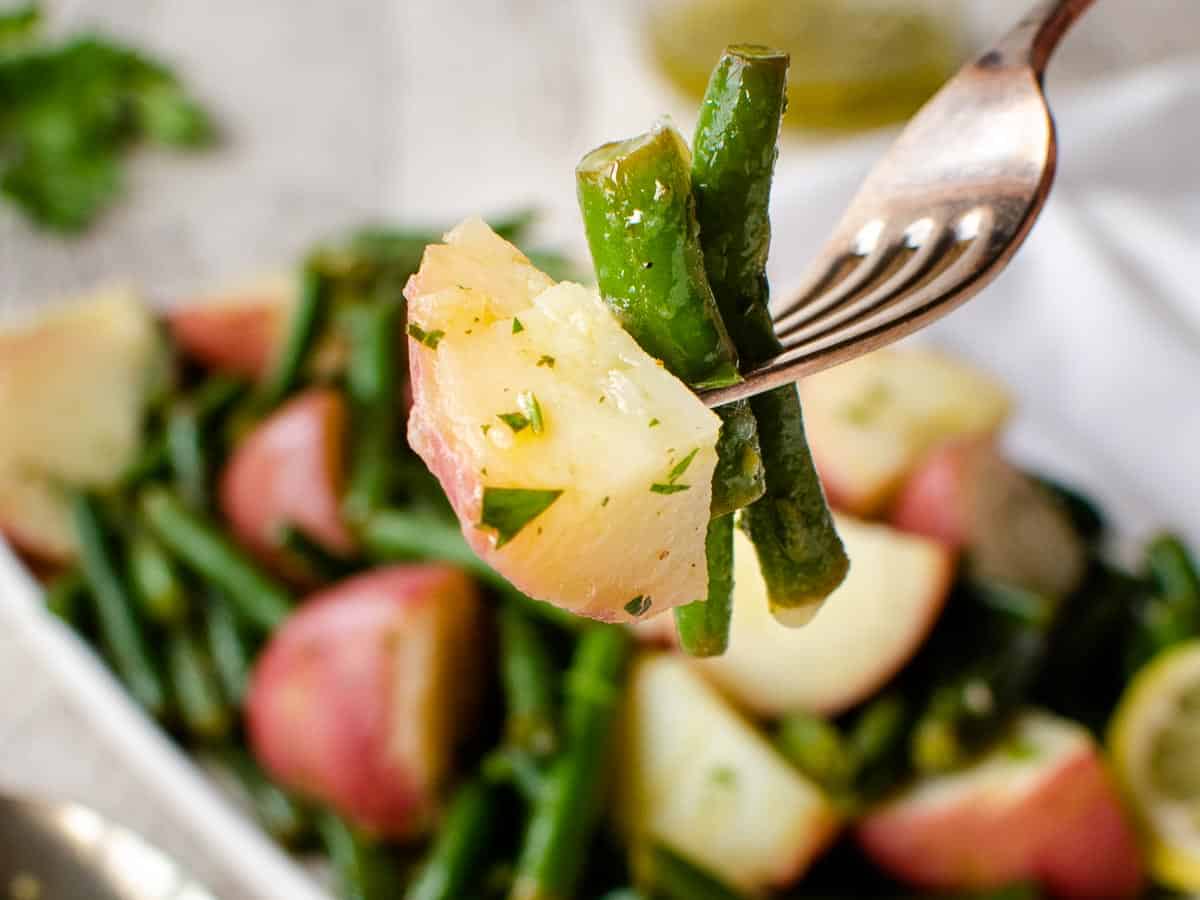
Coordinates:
column 855, row 63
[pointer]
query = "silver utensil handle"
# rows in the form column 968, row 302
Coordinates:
column 1037, row 35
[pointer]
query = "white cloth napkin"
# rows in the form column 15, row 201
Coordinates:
column 1096, row 325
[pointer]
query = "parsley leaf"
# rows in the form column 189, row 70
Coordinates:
column 72, row 110
column 532, row 410
column 547, row 361
column 514, row 420
column 517, row 326
column 660, row 488
column 682, row 466
column 430, row 339
column 638, row 605
column 508, row 510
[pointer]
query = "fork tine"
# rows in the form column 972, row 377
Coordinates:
column 913, row 309
column 934, row 254
column 870, row 256
column 818, row 282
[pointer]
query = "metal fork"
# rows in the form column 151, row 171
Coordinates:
column 937, row 219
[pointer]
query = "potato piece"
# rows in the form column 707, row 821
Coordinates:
column 360, row 698
column 696, row 776
column 968, row 496
column 290, row 471
column 866, row 631
column 871, row 420
column 73, row 389
column 579, row 468
column 1040, row 806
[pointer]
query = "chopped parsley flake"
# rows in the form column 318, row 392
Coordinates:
column 604, row 502
column 485, row 428
column 514, row 420
column 508, row 510
column 517, row 326
column 547, row 361
column 638, row 605
column 660, row 488
column 429, row 338
column 682, row 466
column 1020, row 748
column 654, row 423
column 532, row 410
column 725, row 776
column 670, row 487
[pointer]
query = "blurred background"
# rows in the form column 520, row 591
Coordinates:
column 333, row 113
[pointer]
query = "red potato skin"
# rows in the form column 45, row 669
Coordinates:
column 934, row 501
column 239, row 336
column 1069, row 834
column 290, row 470
column 347, row 704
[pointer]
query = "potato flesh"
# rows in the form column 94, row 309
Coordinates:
column 697, row 777
column 615, row 424
column 72, row 391
column 867, row 629
column 872, row 419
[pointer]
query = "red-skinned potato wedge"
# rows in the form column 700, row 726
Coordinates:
column 579, row 468
column 697, row 776
column 361, row 696
column 871, row 420
column 238, row 330
column 968, row 496
column 73, row 389
column 289, row 471
column 1040, row 807
column 866, row 631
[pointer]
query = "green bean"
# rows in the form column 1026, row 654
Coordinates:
column 364, row 869
column 817, row 748
column 527, row 673
column 639, row 216
column 404, row 535
column 668, row 875
column 66, row 596
column 187, row 455
column 203, row 709
column 800, row 553
column 703, row 626
column 304, row 328
column 156, row 583
column 561, row 823
column 115, row 608
column 876, row 744
column 1093, row 628
column 317, row 562
column 517, row 767
column 284, row 816
column 216, row 396
column 197, row 542
column 150, row 462
column 228, row 647
column 1171, row 614
column 640, row 220
column 972, row 704
column 373, row 379
column 461, row 843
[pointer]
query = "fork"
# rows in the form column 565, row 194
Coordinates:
column 937, row 219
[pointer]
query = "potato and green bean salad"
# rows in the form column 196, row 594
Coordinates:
column 441, row 563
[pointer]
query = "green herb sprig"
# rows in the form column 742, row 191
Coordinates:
column 70, row 111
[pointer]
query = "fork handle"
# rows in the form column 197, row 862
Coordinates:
column 1035, row 38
